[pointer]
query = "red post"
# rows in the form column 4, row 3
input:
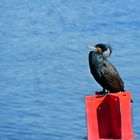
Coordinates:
column 109, row 117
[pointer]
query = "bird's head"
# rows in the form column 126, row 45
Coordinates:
column 105, row 49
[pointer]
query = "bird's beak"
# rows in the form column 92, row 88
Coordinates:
column 92, row 47
column 96, row 49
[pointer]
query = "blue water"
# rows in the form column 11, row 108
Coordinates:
column 44, row 74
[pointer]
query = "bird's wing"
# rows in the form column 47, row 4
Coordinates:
column 110, row 75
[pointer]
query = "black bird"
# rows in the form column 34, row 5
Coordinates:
column 103, row 71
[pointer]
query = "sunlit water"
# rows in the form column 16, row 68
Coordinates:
column 44, row 74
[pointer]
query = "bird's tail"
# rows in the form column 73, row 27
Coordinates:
column 123, row 90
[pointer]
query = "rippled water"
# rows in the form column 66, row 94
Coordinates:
column 44, row 74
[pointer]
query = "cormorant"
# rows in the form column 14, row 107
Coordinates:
column 103, row 71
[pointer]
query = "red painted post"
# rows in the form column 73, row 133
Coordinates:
column 109, row 117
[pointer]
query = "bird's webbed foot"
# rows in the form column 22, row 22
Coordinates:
column 103, row 92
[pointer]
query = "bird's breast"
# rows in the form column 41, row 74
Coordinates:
column 95, row 65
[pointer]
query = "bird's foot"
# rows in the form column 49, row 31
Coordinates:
column 102, row 93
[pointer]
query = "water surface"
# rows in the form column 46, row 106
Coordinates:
column 44, row 74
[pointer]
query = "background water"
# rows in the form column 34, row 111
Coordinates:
column 44, row 74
